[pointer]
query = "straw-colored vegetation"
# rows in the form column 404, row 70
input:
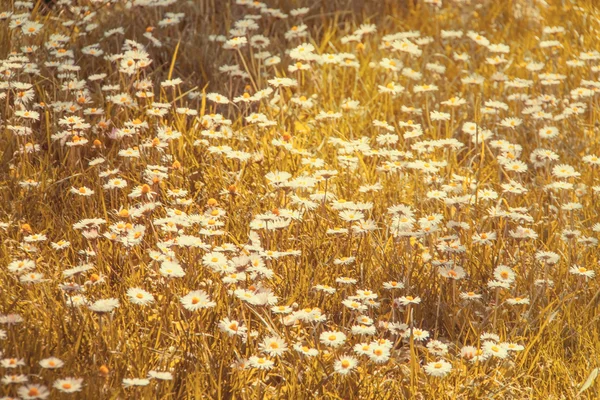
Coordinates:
column 357, row 199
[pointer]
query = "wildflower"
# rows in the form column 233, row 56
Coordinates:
column 518, row 301
column 60, row 245
column 51, row 363
column 130, row 382
column 232, row 327
column 171, row 270
column 325, row 288
column 393, row 285
column 513, row 347
column 26, row 114
column 406, row 300
column 547, row 257
column 115, row 183
column 484, row 238
column 33, row 391
column 470, row 296
column 12, row 363
column 438, row 369
column 332, row 338
column 273, row 346
column 140, row 296
column 160, row 375
column 260, row 363
column 548, row 132
column 35, row 238
column 379, row 354
column 82, row 191
column 68, row 385
column 305, row 350
column 494, row 349
column 504, row 273
column 345, row 364
column 437, row 348
column 9, row 379
column 582, row 271
column 104, row 305
column 564, row 171
column 196, row 300
column 417, row 334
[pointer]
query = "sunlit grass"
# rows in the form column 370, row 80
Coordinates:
column 374, row 199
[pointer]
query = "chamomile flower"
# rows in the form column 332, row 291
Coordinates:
column 140, row 296
column 196, row 300
column 438, row 369
column 68, row 385
column 345, row 365
column 332, row 338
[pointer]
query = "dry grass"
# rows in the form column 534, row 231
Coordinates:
column 232, row 214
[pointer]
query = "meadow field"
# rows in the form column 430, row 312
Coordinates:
column 296, row 199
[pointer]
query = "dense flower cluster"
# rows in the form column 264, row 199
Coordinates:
column 321, row 213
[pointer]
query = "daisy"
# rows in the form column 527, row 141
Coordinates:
column 196, row 300
column 517, row 301
column 68, row 385
column 406, row 300
column 437, row 348
column 470, row 296
column 417, row 334
column 273, row 346
column 36, row 237
column 513, row 347
column 21, row 266
column 130, row 382
column 160, row 375
column 564, row 171
column 354, row 305
column 140, row 296
column 548, row 132
column 484, row 238
column 363, row 330
column 33, row 391
column 379, row 354
column 12, row 363
column 393, row 285
column 115, row 183
column 51, row 363
column 438, row 369
column 82, row 191
column 104, row 305
column 332, row 338
column 494, row 349
column 325, row 288
column 217, row 98
column 511, row 122
column 34, row 115
column 171, row 270
column 9, row 379
column 582, row 271
column 260, row 363
column 60, row 245
column 305, row 350
column 345, row 364
column 232, row 327
column 516, row 166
